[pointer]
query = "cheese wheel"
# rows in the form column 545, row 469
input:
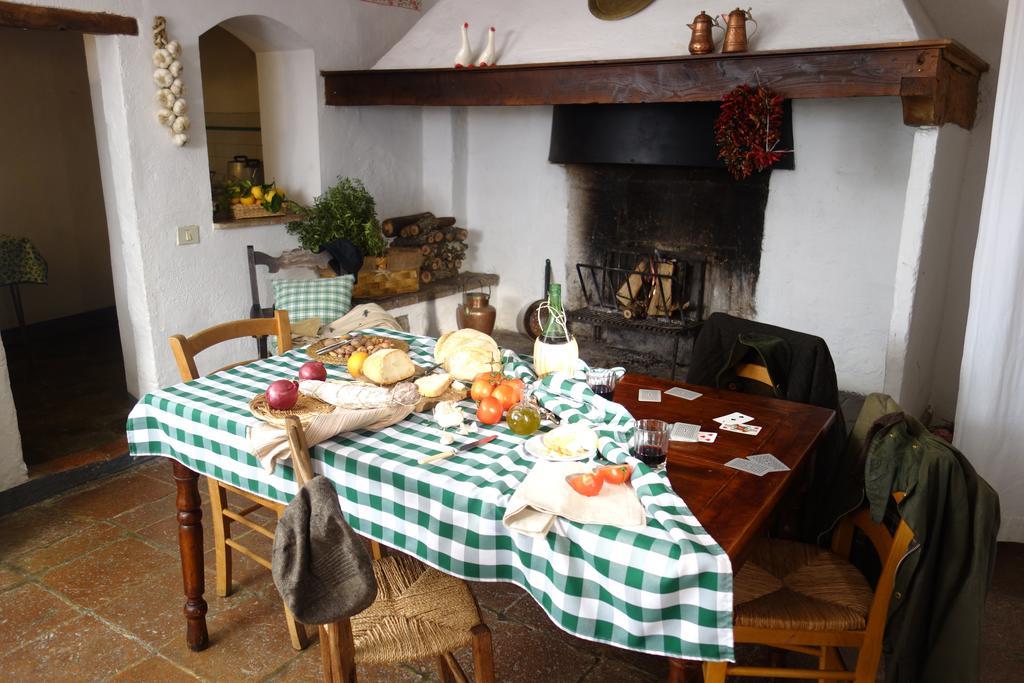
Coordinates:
column 433, row 386
column 388, row 366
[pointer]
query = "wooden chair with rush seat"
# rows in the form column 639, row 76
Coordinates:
column 420, row 612
column 185, row 350
column 803, row 598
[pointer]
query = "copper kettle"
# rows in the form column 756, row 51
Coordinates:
column 702, row 42
column 736, row 30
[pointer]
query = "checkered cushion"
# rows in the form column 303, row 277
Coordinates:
column 324, row 298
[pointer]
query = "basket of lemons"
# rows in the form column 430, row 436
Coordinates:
column 251, row 200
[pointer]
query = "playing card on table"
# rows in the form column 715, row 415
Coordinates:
column 707, row 437
column 649, row 396
column 750, row 430
column 768, row 460
column 733, row 419
column 679, row 392
column 684, row 431
column 747, row 466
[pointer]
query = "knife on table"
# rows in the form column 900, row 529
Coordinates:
column 330, row 347
column 452, row 451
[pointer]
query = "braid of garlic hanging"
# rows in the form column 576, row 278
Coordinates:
column 170, row 95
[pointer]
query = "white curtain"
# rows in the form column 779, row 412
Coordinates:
column 990, row 407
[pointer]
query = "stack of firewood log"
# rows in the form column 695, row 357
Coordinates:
column 441, row 242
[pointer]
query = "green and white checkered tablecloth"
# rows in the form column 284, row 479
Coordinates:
column 665, row 589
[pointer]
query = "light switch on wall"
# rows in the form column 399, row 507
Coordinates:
column 188, row 234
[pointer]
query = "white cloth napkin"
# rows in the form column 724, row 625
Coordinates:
column 270, row 444
column 544, row 494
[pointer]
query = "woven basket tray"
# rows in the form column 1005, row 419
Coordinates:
column 335, row 357
column 241, row 211
column 306, row 408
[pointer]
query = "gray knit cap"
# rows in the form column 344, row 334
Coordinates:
column 321, row 567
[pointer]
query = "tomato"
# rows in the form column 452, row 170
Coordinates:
column 505, row 394
column 481, row 389
column 492, row 376
column 585, row 483
column 614, row 474
column 489, row 411
column 517, row 384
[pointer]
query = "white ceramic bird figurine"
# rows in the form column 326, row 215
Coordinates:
column 487, row 57
column 465, row 55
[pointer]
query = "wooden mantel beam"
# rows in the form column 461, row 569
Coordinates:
column 937, row 79
column 17, row 15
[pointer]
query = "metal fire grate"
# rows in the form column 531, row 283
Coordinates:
column 651, row 293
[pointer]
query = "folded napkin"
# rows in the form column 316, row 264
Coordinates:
column 270, row 444
column 544, row 494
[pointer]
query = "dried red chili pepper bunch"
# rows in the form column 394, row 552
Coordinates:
column 747, row 130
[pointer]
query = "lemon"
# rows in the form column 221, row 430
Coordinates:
column 271, row 195
column 355, row 362
column 257, row 192
column 235, row 200
column 247, row 201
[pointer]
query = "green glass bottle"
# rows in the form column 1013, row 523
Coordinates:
column 554, row 328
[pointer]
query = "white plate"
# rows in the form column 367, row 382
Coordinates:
column 535, row 449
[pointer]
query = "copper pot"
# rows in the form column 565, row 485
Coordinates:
column 476, row 312
column 736, row 30
column 702, row 42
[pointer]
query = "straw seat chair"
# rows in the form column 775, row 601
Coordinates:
column 420, row 612
column 806, row 599
column 185, row 350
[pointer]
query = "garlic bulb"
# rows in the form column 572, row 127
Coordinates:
column 180, row 124
column 178, row 88
column 180, row 106
column 179, row 139
column 163, row 78
column 166, row 117
column 165, row 98
column 174, row 48
column 162, row 58
column 175, row 68
column 448, row 414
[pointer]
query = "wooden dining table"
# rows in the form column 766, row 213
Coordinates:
column 732, row 506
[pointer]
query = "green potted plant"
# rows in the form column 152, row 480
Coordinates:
column 344, row 211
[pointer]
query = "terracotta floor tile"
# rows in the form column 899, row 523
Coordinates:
column 497, row 596
column 525, row 655
column 156, row 668
column 92, row 579
column 28, row 611
column 152, row 610
column 9, row 578
column 610, row 671
column 82, row 650
column 116, row 495
column 34, row 527
column 307, row 667
column 247, row 642
column 89, row 538
column 159, row 510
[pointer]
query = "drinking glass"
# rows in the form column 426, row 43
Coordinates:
column 602, row 381
column 650, row 443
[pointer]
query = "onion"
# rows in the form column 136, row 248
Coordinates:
column 314, row 369
column 282, row 394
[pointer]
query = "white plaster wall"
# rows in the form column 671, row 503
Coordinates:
column 531, row 31
column 978, row 25
column 831, row 231
column 12, row 467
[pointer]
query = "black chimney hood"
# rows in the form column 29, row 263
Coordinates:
column 655, row 134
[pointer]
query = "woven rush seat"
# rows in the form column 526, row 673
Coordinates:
column 419, row 613
column 797, row 586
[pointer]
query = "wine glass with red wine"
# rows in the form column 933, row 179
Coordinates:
column 602, row 381
column 650, row 443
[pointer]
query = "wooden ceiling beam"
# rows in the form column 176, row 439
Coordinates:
column 937, row 79
column 17, row 15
